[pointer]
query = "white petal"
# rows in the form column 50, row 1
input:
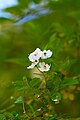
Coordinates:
column 31, row 66
column 49, row 53
column 31, row 57
column 46, row 54
column 35, row 55
column 44, row 67
column 41, row 64
column 42, row 70
column 55, row 100
column 47, row 67
column 38, row 50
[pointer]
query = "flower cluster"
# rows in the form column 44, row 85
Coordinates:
column 35, row 58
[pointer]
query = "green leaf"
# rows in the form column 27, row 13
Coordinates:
column 19, row 100
column 57, row 96
column 35, row 82
column 8, row 116
column 52, row 118
column 14, row 113
column 49, row 84
column 71, row 82
column 66, row 65
column 2, row 117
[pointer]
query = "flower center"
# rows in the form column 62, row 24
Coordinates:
column 35, row 60
column 44, row 66
column 35, row 54
column 45, row 54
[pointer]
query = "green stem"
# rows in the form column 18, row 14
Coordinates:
column 24, row 111
column 33, row 112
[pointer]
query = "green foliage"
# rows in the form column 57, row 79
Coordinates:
column 35, row 82
column 57, row 96
column 59, row 31
column 2, row 117
column 71, row 82
column 19, row 100
column 9, row 116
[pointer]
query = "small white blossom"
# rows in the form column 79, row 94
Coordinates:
column 33, row 64
column 55, row 100
column 43, row 67
column 35, row 55
column 46, row 54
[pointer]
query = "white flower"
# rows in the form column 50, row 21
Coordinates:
column 43, row 67
column 55, row 100
column 46, row 54
column 33, row 64
column 35, row 55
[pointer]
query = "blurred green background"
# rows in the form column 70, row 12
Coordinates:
column 47, row 24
